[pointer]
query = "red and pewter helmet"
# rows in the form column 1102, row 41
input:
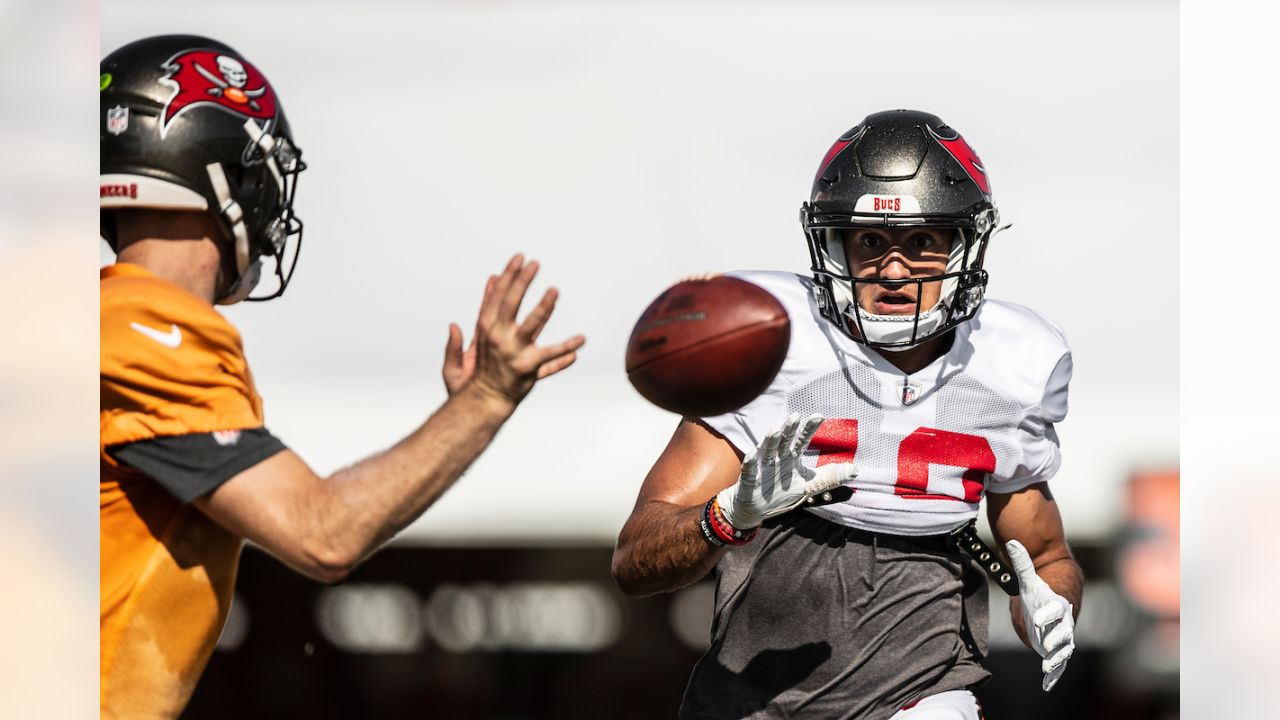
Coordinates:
column 187, row 123
column 900, row 168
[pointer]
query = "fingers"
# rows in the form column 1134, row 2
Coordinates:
column 551, row 352
column 1051, row 679
column 769, row 448
column 532, row 325
column 788, row 459
column 787, row 440
column 768, row 461
column 552, row 367
column 1054, row 666
column 1021, row 562
column 807, row 432
column 750, row 476
column 821, row 484
column 1045, row 616
column 514, row 292
column 503, row 295
column 495, row 295
column 1057, row 638
column 453, row 346
column 488, row 290
column 484, row 304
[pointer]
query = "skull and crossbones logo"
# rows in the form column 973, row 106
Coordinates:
column 232, row 81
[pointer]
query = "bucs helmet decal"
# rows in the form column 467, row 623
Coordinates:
column 204, row 77
column 964, row 155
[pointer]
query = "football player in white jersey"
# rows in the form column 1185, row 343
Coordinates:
column 904, row 399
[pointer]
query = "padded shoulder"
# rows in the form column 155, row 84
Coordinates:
column 1020, row 351
column 170, row 364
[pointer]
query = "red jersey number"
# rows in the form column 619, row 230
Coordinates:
column 837, row 442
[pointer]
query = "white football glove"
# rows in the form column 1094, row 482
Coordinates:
column 1046, row 616
column 773, row 479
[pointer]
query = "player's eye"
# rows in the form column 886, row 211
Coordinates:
column 923, row 242
column 871, row 241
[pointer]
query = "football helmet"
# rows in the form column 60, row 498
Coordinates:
column 900, row 168
column 187, row 123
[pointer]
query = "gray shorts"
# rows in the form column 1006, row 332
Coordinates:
column 817, row 620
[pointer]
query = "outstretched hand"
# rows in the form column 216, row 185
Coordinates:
column 1047, row 617
column 502, row 359
column 773, row 479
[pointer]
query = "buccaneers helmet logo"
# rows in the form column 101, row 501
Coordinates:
column 210, row 77
column 968, row 159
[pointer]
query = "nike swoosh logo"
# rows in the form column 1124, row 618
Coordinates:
column 171, row 339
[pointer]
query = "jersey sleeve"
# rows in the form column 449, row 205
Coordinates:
column 734, row 427
column 1041, row 454
column 190, row 466
column 746, row 428
column 170, row 366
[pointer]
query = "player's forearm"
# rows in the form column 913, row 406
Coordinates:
column 1064, row 577
column 662, row 549
column 364, row 505
column 1067, row 579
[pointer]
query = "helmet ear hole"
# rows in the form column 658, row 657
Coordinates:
column 235, row 175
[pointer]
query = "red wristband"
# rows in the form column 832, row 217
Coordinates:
column 724, row 529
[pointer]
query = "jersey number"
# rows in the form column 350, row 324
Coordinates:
column 837, row 442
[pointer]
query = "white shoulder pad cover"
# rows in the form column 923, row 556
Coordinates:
column 1033, row 362
column 1022, row 353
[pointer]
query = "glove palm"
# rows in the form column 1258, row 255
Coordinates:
column 773, row 478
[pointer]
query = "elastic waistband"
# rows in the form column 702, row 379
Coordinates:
column 933, row 543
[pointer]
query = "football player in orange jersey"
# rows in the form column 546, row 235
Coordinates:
column 198, row 173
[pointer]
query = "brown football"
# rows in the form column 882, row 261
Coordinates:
column 708, row 346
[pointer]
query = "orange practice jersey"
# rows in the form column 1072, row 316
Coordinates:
column 171, row 365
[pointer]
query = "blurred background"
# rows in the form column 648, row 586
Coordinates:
column 625, row 144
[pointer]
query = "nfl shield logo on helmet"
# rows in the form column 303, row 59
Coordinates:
column 117, row 120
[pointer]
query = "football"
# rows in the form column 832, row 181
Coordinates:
column 708, row 346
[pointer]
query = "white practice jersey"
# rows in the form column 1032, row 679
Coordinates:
column 926, row 446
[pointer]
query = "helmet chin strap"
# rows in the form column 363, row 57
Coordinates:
column 243, row 285
column 248, row 268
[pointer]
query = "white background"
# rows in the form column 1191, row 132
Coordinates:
column 625, row 144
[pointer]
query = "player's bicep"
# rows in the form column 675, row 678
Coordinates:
column 696, row 464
